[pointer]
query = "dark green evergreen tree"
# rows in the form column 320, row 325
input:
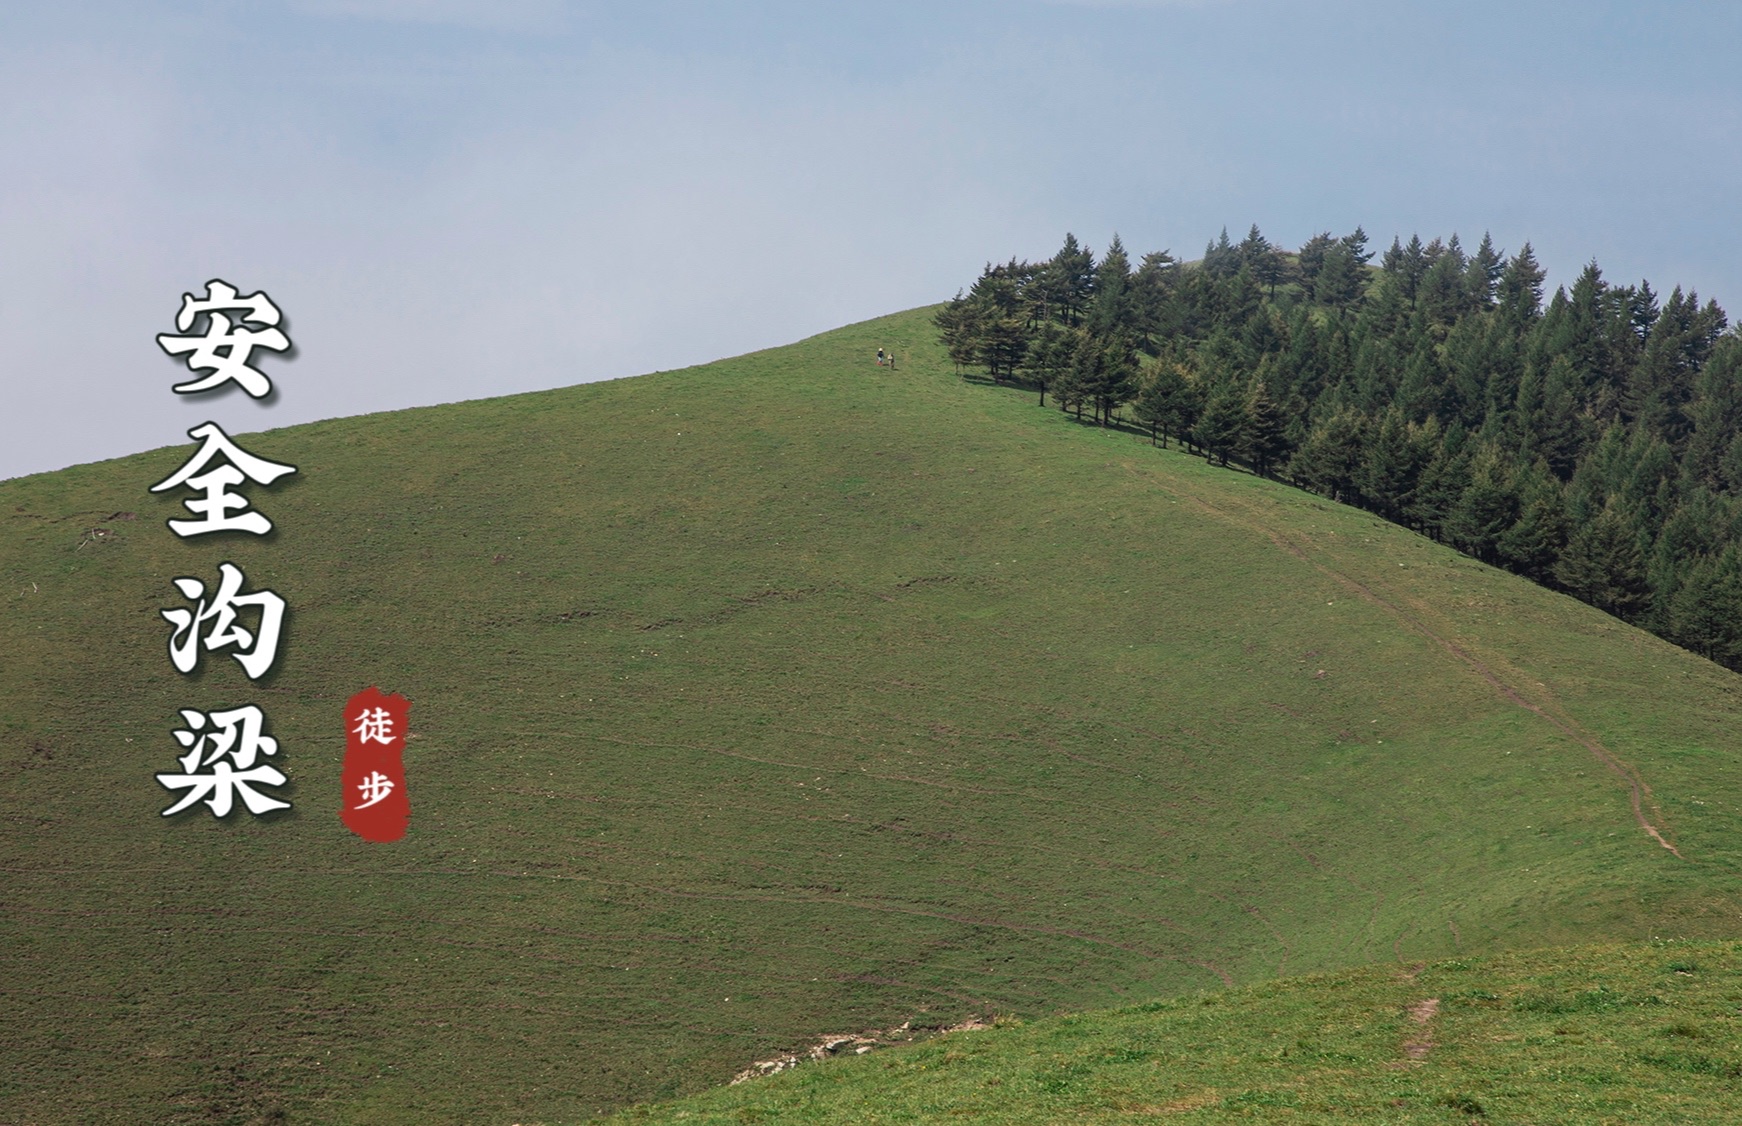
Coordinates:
column 1444, row 474
column 1221, row 429
column 1533, row 544
column 1716, row 413
column 1264, row 438
column 1074, row 387
column 1113, row 380
column 1487, row 508
column 1391, row 467
column 959, row 322
column 1155, row 310
column 1329, row 461
column 1068, row 281
column 1342, row 278
column 1520, row 289
column 1695, row 529
column 1310, row 260
column 1706, row 610
column 1549, row 411
column 1642, row 310
column 1602, row 565
column 1444, row 295
column 1264, row 259
column 1165, row 402
column 1221, row 258
column 1482, row 277
column 1112, row 308
column 1049, row 353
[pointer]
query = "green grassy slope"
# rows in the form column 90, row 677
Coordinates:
column 1626, row 1036
column 783, row 696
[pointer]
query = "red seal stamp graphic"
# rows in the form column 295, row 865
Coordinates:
column 374, row 804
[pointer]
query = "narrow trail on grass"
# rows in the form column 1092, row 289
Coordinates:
column 1252, row 520
column 1639, row 792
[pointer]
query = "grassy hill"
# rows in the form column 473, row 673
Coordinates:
column 783, row 696
column 1640, row 1034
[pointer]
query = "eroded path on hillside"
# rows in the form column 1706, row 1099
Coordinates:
column 1411, row 612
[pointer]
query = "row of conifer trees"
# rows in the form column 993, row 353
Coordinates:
column 1592, row 443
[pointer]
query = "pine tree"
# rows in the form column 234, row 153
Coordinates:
column 1599, row 474
column 1000, row 319
column 1311, row 259
column 1264, row 439
column 1259, row 255
column 959, row 323
column 1421, row 392
column 1533, row 544
column 1696, row 528
column 1662, row 386
column 1113, row 378
column 1477, row 355
column 1048, row 355
column 1110, row 308
column 1221, row 429
column 1242, row 300
column 1706, row 610
column 1487, row 507
column 1394, row 261
column 1154, row 309
column 1603, row 565
column 1221, row 258
column 1304, row 364
column 1482, row 277
column 1168, row 402
column 1391, row 467
column 1329, row 461
column 1356, row 243
column 1444, row 296
column 1075, row 383
column 1069, row 281
column 1642, row 310
column 1716, row 413
column 1342, row 276
column 1413, row 264
column 1557, row 432
column 1444, row 473
column 1646, row 483
column 1520, row 289
column 1003, row 342
column 1253, row 247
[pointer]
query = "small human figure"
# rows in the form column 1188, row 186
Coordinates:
column 891, row 361
column 879, row 357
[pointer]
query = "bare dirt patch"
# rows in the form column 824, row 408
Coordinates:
column 854, row 1043
column 1416, row 1048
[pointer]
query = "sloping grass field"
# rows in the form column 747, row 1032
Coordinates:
column 778, row 697
column 1634, row 1035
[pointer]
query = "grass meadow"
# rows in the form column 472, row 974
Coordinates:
column 1636, row 1035
column 790, row 695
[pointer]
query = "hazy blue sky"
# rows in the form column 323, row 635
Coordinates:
column 452, row 199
